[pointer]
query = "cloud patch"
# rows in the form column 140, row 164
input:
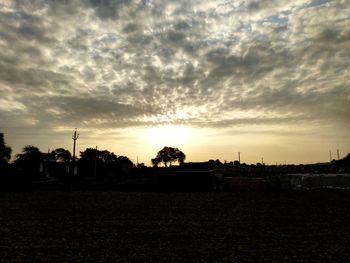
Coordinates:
column 129, row 63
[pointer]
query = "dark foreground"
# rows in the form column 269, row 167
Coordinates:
column 311, row 226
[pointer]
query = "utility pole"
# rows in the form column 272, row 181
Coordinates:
column 239, row 157
column 262, row 160
column 338, row 153
column 75, row 137
column 330, row 155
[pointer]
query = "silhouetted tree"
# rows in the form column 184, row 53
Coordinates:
column 343, row 164
column 102, row 163
column 168, row 155
column 343, row 161
column 107, row 157
column 141, row 166
column 29, row 161
column 29, row 154
column 61, row 155
column 124, row 165
column 5, row 151
column 218, row 162
column 346, row 159
column 89, row 155
column 259, row 165
column 92, row 154
column 5, row 156
column 156, row 161
column 124, row 159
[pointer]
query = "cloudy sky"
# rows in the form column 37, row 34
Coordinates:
column 268, row 78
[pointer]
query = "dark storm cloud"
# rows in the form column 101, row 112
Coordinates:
column 128, row 63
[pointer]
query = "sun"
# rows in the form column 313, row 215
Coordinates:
column 168, row 135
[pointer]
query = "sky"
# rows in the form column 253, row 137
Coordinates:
column 267, row 78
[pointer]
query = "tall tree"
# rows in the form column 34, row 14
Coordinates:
column 29, row 162
column 92, row 154
column 107, row 157
column 156, row 161
column 5, row 151
column 29, row 153
column 89, row 155
column 168, row 155
column 61, row 155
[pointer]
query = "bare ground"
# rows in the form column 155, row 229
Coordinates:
column 305, row 226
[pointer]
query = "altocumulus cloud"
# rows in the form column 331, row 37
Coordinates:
column 125, row 63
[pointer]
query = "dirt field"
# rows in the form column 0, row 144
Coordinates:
column 175, row 227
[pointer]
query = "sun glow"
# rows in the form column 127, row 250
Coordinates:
column 168, row 135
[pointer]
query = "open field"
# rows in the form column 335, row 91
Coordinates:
column 305, row 226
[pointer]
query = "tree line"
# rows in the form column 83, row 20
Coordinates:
column 92, row 161
column 31, row 160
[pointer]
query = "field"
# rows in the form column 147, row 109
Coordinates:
column 305, row 226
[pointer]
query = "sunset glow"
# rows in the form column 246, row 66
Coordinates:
column 268, row 78
column 168, row 135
